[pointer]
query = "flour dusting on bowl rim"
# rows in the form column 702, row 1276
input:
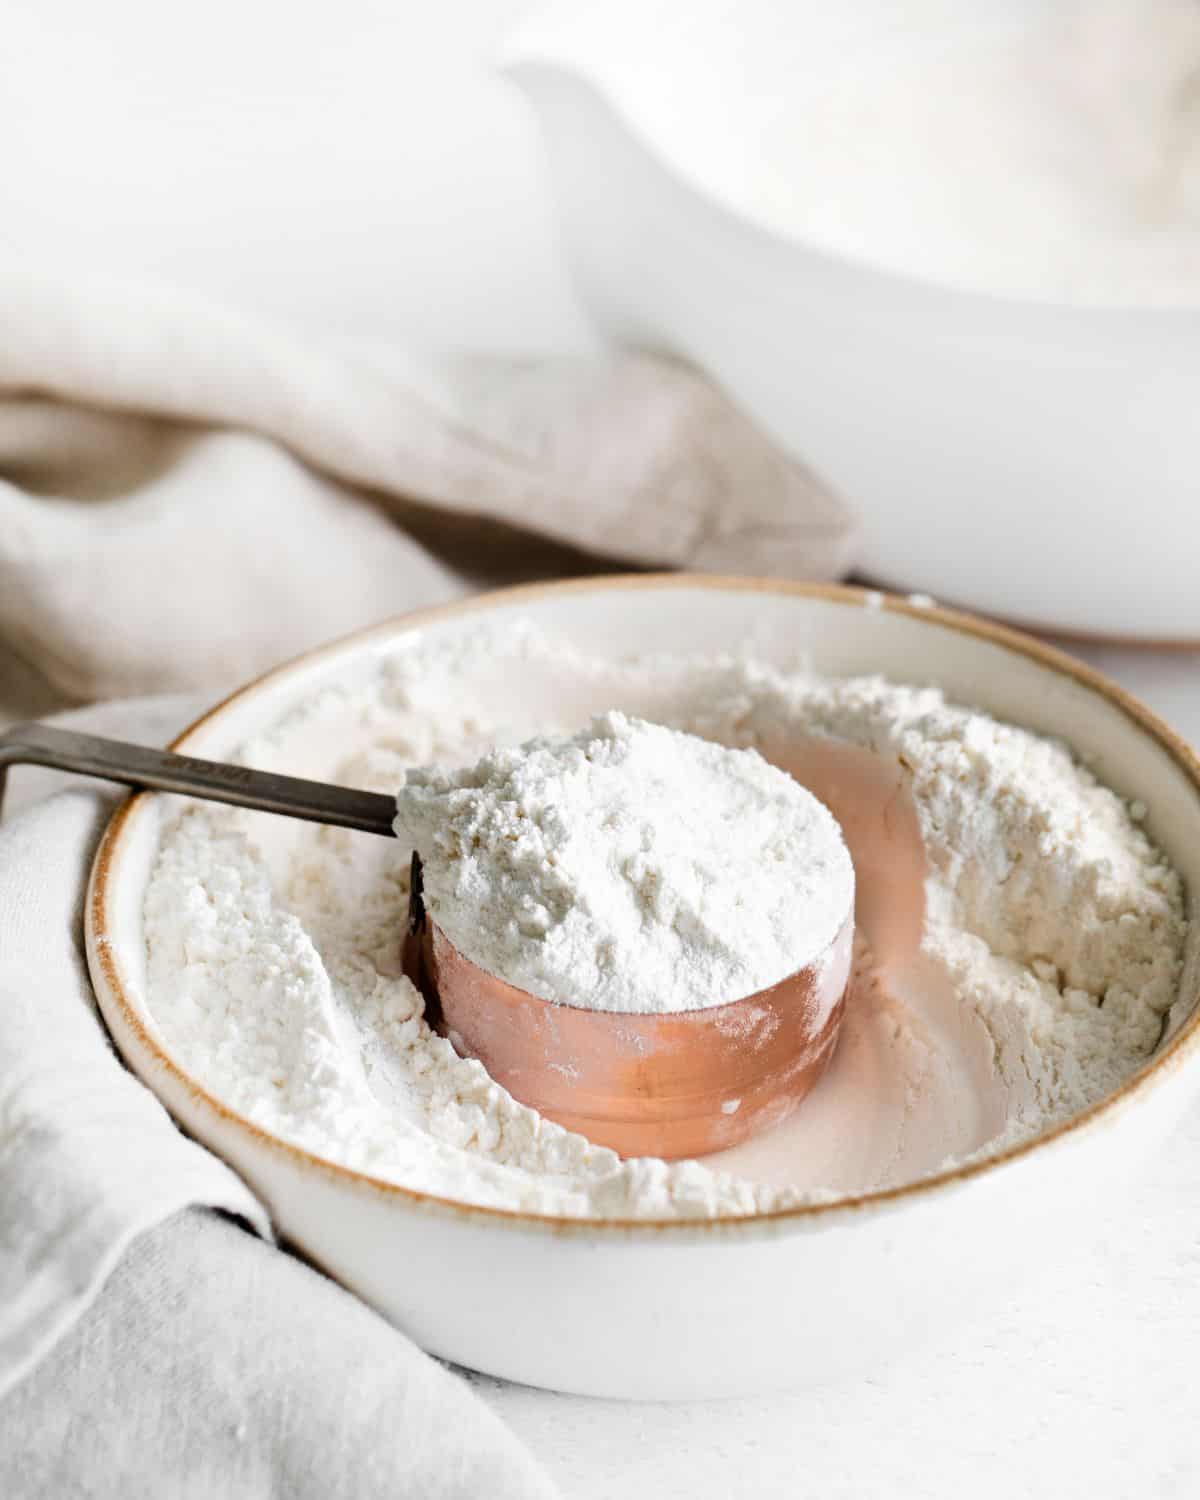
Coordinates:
column 111, row 986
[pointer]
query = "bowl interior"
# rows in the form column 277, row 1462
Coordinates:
column 839, row 631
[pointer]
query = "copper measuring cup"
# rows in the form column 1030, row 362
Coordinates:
column 665, row 1085
column 683, row 1084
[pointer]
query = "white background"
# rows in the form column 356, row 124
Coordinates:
column 354, row 165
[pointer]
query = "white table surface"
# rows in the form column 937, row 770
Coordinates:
column 1080, row 1386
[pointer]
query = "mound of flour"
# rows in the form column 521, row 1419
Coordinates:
column 1042, row 148
column 628, row 867
column 1053, row 936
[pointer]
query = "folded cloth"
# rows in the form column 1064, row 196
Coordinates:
column 148, row 1347
column 189, row 494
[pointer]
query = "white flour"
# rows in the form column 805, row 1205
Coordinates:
column 1052, row 942
column 628, row 867
column 1044, row 148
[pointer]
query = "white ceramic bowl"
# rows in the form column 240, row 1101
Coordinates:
column 1036, row 461
column 682, row 1309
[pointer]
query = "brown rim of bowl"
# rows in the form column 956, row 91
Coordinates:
column 1168, row 1059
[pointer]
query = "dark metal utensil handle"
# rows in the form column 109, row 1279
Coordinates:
column 162, row 771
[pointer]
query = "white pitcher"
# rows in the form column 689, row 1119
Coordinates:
column 1038, row 460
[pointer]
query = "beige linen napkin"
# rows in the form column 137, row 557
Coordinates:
column 188, row 494
column 148, row 1346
